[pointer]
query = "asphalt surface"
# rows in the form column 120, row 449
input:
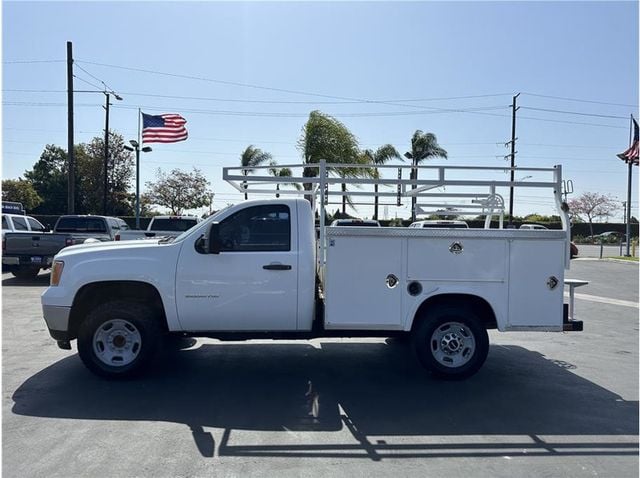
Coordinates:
column 544, row 404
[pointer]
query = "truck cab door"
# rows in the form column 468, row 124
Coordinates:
column 251, row 285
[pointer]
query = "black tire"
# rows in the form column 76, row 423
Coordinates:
column 451, row 342
column 26, row 273
column 119, row 339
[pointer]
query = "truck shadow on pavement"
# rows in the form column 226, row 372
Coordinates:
column 41, row 280
column 529, row 405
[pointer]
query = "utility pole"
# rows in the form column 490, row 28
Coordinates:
column 71, row 164
column 513, row 156
column 106, row 155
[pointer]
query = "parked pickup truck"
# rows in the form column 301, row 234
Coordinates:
column 26, row 252
column 26, row 247
column 160, row 226
column 251, row 271
column 21, row 223
column 93, row 228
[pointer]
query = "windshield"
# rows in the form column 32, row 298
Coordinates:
column 187, row 232
column 81, row 224
column 173, row 224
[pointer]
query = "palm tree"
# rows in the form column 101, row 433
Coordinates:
column 380, row 156
column 424, row 146
column 324, row 137
column 250, row 158
column 281, row 173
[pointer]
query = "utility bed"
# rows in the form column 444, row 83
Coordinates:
column 383, row 264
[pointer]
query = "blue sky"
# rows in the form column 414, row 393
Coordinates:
column 361, row 51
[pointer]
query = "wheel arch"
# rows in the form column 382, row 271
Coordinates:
column 477, row 304
column 97, row 293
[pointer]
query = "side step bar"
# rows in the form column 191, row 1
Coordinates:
column 569, row 325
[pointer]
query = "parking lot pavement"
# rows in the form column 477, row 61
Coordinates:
column 543, row 405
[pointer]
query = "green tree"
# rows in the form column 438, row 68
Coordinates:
column 19, row 190
column 120, row 176
column 382, row 155
column 49, row 179
column 250, row 158
column 179, row 190
column 424, row 146
column 324, row 137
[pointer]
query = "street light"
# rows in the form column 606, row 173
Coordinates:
column 106, row 147
column 135, row 146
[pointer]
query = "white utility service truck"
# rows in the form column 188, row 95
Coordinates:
column 260, row 269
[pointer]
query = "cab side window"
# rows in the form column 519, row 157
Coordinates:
column 35, row 225
column 20, row 224
column 5, row 224
column 258, row 228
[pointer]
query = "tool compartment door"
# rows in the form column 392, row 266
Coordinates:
column 359, row 283
column 536, row 278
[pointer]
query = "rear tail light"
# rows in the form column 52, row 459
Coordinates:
column 117, row 238
column 4, row 245
column 68, row 242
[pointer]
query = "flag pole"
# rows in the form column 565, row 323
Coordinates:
column 629, row 183
column 138, row 173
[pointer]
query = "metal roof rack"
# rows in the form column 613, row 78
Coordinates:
column 472, row 183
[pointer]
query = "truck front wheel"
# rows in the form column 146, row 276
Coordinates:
column 451, row 342
column 119, row 339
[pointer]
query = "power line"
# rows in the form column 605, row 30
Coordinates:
column 579, row 100
column 32, row 91
column 574, row 113
column 270, row 114
column 346, row 102
column 92, row 76
column 87, row 82
column 571, row 122
column 570, row 146
column 283, row 90
column 16, row 62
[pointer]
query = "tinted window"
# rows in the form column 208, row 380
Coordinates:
column 173, row 224
column 5, row 224
column 446, row 226
column 35, row 225
column 258, row 228
column 20, row 224
column 80, row 224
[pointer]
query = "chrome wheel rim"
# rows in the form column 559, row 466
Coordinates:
column 117, row 343
column 452, row 344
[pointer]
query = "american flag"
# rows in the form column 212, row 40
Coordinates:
column 167, row 128
column 630, row 156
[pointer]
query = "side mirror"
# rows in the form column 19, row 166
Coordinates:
column 215, row 244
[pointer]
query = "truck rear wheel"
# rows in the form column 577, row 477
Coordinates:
column 451, row 342
column 119, row 339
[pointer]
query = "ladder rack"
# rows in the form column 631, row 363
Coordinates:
column 474, row 184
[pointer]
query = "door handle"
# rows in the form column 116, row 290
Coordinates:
column 277, row 267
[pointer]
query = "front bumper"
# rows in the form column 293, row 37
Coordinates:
column 57, row 319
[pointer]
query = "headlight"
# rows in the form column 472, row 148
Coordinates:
column 56, row 272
